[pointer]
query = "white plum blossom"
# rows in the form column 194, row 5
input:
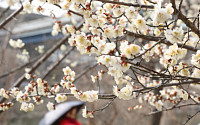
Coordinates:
column 40, row 49
column 174, row 36
column 50, row 106
column 172, row 55
column 89, row 96
column 140, row 23
column 196, row 59
column 16, row 44
column 27, row 107
column 131, row 13
column 28, row 7
column 66, row 70
column 129, row 50
column 108, row 31
column 60, row 98
column 160, row 15
column 196, row 73
column 93, row 21
column 65, row 84
column 27, row 76
column 125, row 93
column 86, row 113
column 108, row 47
column 117, row 11
column 159, row 105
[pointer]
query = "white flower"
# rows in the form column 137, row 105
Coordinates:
column 27, row 76
column 65, row 5
column 175, row 35
column 172, row 55
column 131, row 12
column 160, row 15
column 40, row 49
column 94, row 78
column 2, row 91
column 196, row 73
column 27, row 107
column 117, row 11
column 140, row 23
column 67, row 70
column 125, row 93
column 19, row 43
column 71, row 29
column 108, row 47
column 169, row 8
column 93, row 21
column 50, row 106
column 15, row 91
column 129, row 50
column 39, row 81
column 108, row 31
column 16, row 44
column 12, row 43
column 157, row 32
column 86, row 113
column 95, row 31
column 54, row 32
column 159, row 105
column 89, row 96
column 56, row 88
column 28, row 7
column 196, row 59
column 63, row 47
column 107, row 6
column 10, row 2
column 65, row 84
column 57, row 27
column 60, row 98
column 118, row 31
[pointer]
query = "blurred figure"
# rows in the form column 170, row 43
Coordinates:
column 69, row 118
column 65, row 114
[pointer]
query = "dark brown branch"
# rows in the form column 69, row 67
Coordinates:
column 174, row 107
column 1, row 15
column 126, row 4
column 190, row 117
column 9, row 18
column 71, row 11
column 154, row 38
column 106, row 106
column 187, row 22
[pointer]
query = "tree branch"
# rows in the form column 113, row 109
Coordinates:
column 184, row 19
column 126, row 4
column 9, row 18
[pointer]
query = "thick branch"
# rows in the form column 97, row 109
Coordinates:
column 127, row 4
column 9, row 18
column 154, row 38
column 187, row 22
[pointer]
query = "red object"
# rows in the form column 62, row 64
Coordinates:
column 69, row 121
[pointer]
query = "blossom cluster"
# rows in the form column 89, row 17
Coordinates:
column 16, row 44
column 111, row 34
